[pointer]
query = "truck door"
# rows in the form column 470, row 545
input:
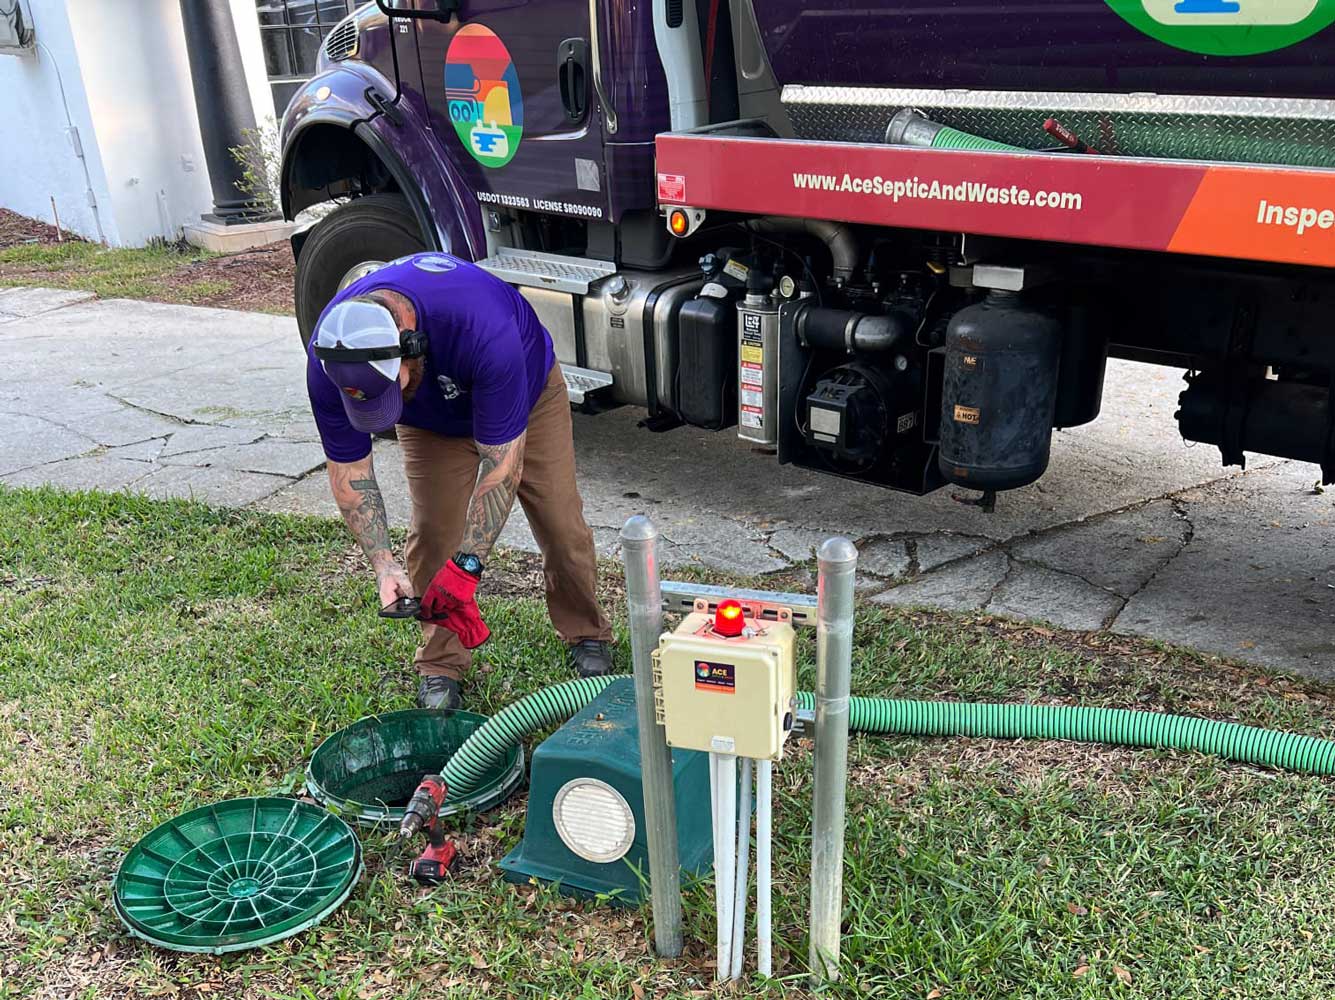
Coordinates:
column 511, row 98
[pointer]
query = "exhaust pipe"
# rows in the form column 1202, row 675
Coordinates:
column 842, row 330
column 837, row 238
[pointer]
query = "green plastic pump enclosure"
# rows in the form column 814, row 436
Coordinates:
column 237, row 874
column 585, row 828
column 368, row 771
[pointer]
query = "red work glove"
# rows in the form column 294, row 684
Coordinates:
column 448, row 602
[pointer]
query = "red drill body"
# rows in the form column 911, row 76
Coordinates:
column 433, row 865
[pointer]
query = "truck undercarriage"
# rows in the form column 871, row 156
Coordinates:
column 907, row 287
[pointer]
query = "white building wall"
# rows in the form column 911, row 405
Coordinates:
column 126, row 69
column 36, row 151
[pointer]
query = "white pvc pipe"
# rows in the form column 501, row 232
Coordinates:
column 716, row 815
column 764, row 948
column 742, row 872
column 726, row 871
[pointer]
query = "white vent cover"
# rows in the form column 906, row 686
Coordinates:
column 594, row 820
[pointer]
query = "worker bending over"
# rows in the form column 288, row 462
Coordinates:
column 459, row 362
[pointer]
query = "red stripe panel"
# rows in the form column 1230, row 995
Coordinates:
column 1103, row 201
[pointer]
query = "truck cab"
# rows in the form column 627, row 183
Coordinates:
column 894, row 242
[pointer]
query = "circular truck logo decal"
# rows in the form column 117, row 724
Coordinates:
column 1227, row 27
column 433, row 263
column 482, row 91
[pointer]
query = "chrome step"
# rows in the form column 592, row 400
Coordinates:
column 534, row 269
column 582, row 382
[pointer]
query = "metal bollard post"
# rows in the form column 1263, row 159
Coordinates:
column 837, row 561
column 644, row 603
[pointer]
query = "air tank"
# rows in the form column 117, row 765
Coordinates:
column 999, row 393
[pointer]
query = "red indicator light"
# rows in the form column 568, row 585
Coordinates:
column 678, row 222
column 728, row 620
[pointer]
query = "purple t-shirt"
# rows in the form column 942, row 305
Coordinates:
column 487, row 366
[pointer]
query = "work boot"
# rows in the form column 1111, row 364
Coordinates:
column 591, row 658
column 438, row 692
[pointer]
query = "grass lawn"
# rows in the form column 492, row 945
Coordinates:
column 259, row 280
column 91, row 267
column 155, row 657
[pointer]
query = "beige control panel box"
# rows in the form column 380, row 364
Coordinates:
column 733, row 695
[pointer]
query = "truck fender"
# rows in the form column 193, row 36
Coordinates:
column 331, row 123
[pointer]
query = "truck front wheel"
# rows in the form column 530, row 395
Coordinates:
column 349, row 242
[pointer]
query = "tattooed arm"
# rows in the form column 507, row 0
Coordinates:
column 363, row 508
column 499, row 470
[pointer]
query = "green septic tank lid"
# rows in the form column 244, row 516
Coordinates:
column 237, row 875
column 368, row 771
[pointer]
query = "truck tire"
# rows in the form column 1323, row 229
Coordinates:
column 374, row 229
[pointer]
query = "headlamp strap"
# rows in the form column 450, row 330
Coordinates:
column 412, row 344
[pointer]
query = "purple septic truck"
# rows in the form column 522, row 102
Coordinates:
column 892, row 241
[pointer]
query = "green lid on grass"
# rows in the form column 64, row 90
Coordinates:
column 237, row 875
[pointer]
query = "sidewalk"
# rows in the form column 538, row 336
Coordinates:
column 1131, row 530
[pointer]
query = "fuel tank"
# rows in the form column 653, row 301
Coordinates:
column 1256, row 48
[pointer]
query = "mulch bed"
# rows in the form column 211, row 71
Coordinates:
column 258, row 280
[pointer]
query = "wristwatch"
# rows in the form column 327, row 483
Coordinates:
column 469, row 563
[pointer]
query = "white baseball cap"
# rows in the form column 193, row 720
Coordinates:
column 359, row 323
column 370, row 390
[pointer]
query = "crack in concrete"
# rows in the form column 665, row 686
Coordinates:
column 158, row 413
column 218, row 447
column 42, row 465
column 1035, row 564
column 54, row 423
column 914, row 568
column 1004, row 545
column 96, row 445
column 1011, row 563
column 1180, row 511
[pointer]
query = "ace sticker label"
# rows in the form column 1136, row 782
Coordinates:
column 718, row 677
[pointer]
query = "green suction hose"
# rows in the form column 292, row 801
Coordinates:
column 489, row 744
column 912, row 128
column 1113, row 726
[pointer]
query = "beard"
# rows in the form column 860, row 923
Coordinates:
column 415, row 372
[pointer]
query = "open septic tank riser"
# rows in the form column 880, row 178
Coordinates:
column 585, row 826
column 368, row 771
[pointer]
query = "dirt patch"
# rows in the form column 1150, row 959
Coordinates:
column 258, row 280
column 18, row 230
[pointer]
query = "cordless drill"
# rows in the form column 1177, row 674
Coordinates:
column 434, row 864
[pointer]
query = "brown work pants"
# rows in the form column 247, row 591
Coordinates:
column 441, row 475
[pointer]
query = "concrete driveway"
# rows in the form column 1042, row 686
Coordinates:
column 1131, row 530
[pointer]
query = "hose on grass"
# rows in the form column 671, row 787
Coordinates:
column 1113, row 726
column 888, row 716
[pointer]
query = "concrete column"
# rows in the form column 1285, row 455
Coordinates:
column 222, row 99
